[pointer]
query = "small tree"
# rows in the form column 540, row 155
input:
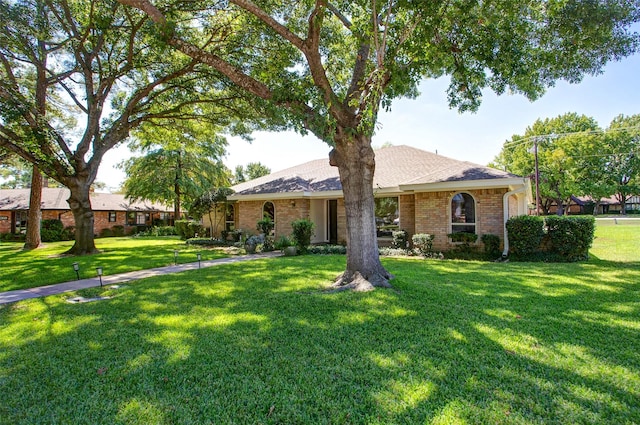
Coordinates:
column 302, row 233
column 209, row 202
column 266, row 226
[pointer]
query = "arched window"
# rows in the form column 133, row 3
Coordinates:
column 269, row 210
column 463, row 213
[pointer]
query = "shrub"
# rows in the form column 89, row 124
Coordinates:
column 491, row 245
column 423, row 243
column 400, row 239
column 118, row 230
column 571, row 237
column 327, row 249
column 283, row 242
column 205, row 242
column 188, row 229
column 51, row 230
column 302, row 232
column 265, row 226
column 392, row 252
column 253, row 242
column 106, row 233
column 158, row 231
column 525, row 233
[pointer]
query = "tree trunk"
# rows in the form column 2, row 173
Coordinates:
column 355, row 160
column 33, row 240
column 80, row 205
column 559, row 207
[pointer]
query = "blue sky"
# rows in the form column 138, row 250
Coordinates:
column 427, row 122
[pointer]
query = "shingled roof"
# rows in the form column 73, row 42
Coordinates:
column 56, row 199
column 398, row 168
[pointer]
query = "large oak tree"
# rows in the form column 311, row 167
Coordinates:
column 77, row 76
column 332, row 65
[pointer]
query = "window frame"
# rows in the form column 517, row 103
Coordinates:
column 455, row 226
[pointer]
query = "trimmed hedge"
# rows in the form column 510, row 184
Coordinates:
column 571, row 237
column 525, row 234
column 553, row 238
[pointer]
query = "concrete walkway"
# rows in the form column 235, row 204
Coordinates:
column 59, row 288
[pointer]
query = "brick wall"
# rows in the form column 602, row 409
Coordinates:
column 426, row 212
column 408, row 213
column 286, row 211
column 433, row 214
column 5, row 224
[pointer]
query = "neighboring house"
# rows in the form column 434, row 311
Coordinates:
column 585, row 205
column 109, row 210
column 418, row 191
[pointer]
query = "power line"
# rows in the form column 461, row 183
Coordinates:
column 560, row 135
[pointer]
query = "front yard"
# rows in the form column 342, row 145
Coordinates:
column 259, row 342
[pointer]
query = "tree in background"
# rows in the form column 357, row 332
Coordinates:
column 77, row 76
column 622, row 142
column 180, row 163
column 15, row 174
column 556, row 144
column 251, row 171
column 328, row 68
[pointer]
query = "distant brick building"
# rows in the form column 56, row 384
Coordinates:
column 415, row 190
column 110, row 210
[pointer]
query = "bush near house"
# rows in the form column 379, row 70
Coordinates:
column 553, row 238
column 188, row 229
column 525, row 234
column 52, row 230
column 491, row 245
column 302, row 232
column 571, row 237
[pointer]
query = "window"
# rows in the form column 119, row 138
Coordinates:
column 131, row 218
column 142, row 218
column 229, row 218
column 112, row 216
column 387, row 217
column 463, row 213
column 269, row 210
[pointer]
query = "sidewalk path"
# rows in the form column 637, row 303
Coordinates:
column 59, row 288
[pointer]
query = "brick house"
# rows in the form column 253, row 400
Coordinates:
column 109, row 210
column 415, row 190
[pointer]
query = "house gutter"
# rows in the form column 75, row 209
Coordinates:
column 505, row 214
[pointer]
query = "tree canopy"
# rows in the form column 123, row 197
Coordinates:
column 577, row 157
column 327, row 67
column 76, row 77
column 251, row 171
column 178, row 165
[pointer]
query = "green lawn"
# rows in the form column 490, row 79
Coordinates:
column 249, row 343
column 28, row 269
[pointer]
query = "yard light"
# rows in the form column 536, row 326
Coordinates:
column 199, row 258
column 99, row 272
column 76, row 268
column 175, row 257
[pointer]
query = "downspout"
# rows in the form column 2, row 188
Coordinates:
column 505, row 214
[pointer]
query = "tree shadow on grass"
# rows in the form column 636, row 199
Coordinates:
column 259, row 343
